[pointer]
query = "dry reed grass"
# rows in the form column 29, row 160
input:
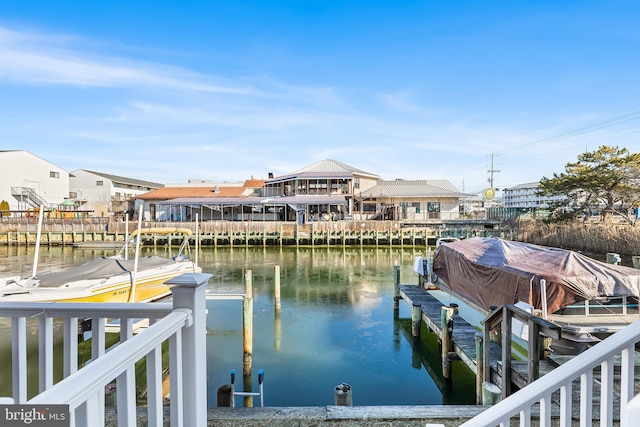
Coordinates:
column 589, row 237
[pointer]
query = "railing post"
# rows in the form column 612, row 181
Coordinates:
column 189, row 292
column 533, row 366
column 506, row 351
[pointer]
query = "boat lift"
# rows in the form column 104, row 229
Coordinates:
column 248, row 393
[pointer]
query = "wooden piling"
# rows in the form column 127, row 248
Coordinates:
column 343, row 395
column 225, row 396
column 479, row 367
column 446, row 324
column 277, row 331
column 490, row 394
column 248, row 388
column 396, row 286
column 278, row 305
column 416, row 319
column 247, row 323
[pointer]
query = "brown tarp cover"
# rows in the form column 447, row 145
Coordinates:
column 493, row 272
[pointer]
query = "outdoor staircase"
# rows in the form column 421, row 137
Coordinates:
column 29, row 196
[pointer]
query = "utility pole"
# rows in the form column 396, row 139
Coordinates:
column 492, row 171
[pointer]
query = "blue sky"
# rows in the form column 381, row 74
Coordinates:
column 228, row 90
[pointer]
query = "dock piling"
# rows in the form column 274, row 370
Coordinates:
column 416, row 319
column 225, row 396
column 446, row 325
column 479, row 367
column 276, row 291
column 396, row 286
column 343, row 395
column 247, row 323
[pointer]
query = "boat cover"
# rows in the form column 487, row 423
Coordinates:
column 100, row 268
column 493, row 272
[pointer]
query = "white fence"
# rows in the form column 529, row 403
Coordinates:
column 182, row 324
column 537, row 399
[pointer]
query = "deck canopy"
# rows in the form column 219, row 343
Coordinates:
column 493, row 272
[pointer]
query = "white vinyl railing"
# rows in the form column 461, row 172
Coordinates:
column 617, row 350
column 182, row 324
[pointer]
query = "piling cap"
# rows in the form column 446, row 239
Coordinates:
column 189, row 280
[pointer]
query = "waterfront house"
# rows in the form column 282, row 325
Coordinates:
column 27, row 182
column 411, row 200
column 322, row 191
column 103, row 193
column 211, row 201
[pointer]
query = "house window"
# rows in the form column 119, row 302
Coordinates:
column 368, row 207
column 356, row 182
column 73, row 195
column 53, row 174
column 433, row 208
column 99, row 183
column 341, row 185
column 417, row 206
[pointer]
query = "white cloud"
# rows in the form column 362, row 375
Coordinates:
column 34, row 59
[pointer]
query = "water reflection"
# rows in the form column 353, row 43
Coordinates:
column 337, row 324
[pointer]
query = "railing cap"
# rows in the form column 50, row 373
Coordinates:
column 189, row 280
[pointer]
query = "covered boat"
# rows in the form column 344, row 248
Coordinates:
column 492, row 272
column 583, row 295
column 105, row 279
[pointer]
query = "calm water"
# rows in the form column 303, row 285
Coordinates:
column 336, row 326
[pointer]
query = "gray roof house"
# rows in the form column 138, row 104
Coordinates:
column 412, row 200
column 102, row 192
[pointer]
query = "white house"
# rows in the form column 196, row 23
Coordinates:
column 413, row 200
column 101, row 192
column 27, row 181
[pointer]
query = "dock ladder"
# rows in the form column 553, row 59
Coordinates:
column 248, row 393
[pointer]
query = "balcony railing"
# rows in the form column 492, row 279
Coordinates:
column 182, row 324
column 536, row 399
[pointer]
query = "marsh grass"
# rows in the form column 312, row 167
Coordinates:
column 597, row 238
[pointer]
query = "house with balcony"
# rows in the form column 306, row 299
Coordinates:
column 324, row 190
column 103, row 193
column 27, row 182
column 321, row 191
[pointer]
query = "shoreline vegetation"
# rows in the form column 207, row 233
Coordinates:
column 588, row 237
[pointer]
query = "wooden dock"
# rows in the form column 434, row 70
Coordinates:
column 464, row 346
column 464, row 337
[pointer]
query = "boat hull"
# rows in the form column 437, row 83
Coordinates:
column 149, row 285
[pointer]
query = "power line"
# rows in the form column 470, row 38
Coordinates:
column 601, row 125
